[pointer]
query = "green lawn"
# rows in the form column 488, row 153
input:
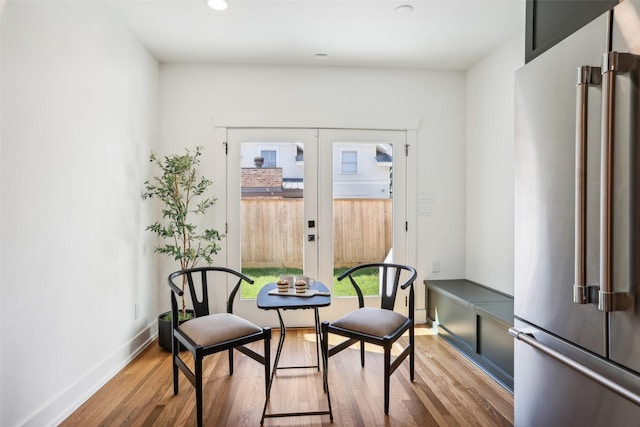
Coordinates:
column 367, row 280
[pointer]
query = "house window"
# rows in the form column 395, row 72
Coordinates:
column 349, row 162
column 269, row 158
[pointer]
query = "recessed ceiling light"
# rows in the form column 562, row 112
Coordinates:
column 321, row 56
column 217, row 4
column 405, row 9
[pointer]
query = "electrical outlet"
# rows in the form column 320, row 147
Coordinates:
column 136, row 311
column 435, row 266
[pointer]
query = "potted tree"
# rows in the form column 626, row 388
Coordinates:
column 184, row 197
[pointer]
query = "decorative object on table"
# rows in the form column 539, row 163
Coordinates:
column 301, row 287
column 289, row 278
column 378, row 326
column 283, row 286
column 213, row 333
column 309, row 281
column 184, row 196
column 291, row 292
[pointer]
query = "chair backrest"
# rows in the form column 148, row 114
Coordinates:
column 197, row 280
column 389, row 275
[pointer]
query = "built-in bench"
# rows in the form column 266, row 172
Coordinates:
column 474, row 319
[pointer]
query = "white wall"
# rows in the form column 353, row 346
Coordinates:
column 2, row 2
column 489, row 166
column 79, row 116
column 193, row 96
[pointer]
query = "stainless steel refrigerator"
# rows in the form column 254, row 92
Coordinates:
column 577, row 216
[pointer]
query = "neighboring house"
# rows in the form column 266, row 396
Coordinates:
column 360, row 170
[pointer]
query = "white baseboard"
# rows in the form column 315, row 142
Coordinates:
column 421, row 316
column 70, row 399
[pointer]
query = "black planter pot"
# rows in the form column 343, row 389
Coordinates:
column 164, row 331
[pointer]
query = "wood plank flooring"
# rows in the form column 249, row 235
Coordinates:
column 448, row 390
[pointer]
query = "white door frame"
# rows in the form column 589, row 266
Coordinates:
column 409, row 124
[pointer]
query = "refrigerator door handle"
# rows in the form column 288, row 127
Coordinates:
column 612, row 63
column 587, row 76
column 585, row 371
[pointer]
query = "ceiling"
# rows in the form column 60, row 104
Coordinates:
column 438, row 34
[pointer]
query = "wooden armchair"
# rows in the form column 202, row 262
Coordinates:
column 380, row 326
column 211, row 333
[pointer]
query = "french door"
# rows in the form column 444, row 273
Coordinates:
column 314, row 201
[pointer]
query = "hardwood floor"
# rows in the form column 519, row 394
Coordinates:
column 448, row 390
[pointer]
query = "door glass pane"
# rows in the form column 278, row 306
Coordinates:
column 362, row 210
column 271, row 211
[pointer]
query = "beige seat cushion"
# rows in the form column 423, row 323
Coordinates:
column 371, row 321
column 217, row 328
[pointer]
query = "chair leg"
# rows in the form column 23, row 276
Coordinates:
column 174, row 354
column 230, row 361
column 325, row 364
column 411, row 354
column 324, row 338
column 387, row 374
column 362, row 353
column 198, row 371
column 267, row 365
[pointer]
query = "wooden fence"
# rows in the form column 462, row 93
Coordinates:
column 273, row 231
